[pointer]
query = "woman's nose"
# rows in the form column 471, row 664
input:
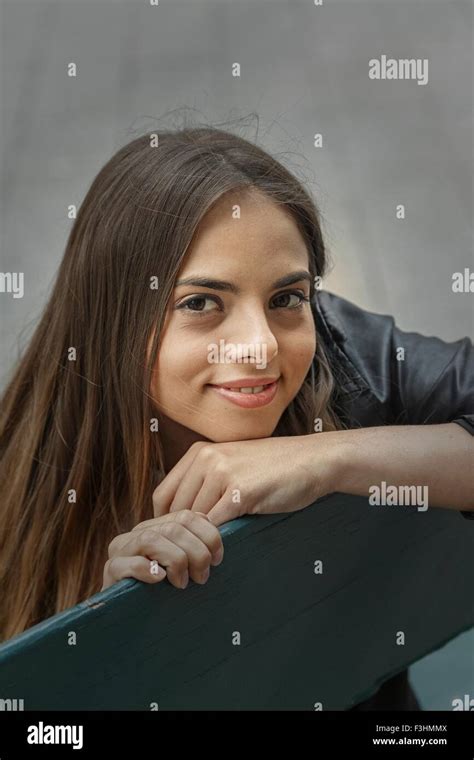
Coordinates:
column 253, row 331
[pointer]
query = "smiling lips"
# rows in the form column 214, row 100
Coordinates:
column 246, row 393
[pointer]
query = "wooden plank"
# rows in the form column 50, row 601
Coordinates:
column 306, row 638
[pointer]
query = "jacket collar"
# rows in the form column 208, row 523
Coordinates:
column 333, row 335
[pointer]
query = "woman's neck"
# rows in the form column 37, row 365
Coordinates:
column 176, row 440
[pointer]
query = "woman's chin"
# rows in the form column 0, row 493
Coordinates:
column 246, row 434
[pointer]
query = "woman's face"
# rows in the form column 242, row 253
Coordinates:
column 243, row 329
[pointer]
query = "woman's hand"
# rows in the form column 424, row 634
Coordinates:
column 185, row 543
column 260, row 476
column 285, row 474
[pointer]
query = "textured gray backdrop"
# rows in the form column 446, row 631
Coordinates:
column 304, row 69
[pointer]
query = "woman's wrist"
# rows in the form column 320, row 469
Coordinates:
column 354, row 461
column 333, row 458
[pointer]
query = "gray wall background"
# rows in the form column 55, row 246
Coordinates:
column 304, row 69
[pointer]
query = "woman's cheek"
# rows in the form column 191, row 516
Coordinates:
column 184, row 365
column 301, row 352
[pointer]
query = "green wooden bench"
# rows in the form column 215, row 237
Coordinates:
column 268, row 630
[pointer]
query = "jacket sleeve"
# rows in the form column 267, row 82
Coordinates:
column 436, row 381
column 435, row 378
column 416, row 379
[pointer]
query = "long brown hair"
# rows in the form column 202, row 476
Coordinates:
column 79, row 462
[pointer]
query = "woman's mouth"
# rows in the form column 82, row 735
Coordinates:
column 248, row 396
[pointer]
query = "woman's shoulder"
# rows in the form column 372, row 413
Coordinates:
column 356, row 326
column 416, row 378
column 391, row 376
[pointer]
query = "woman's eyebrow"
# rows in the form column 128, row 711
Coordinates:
column 206, row 282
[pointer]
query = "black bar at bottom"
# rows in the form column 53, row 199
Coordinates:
column 378, row 734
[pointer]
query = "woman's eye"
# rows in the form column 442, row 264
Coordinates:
column 196, row 303
column 207, row 304
column 284, row 300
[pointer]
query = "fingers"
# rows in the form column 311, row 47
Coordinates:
column 223, row 510
column 141, row 568
column 201, row 500
column 186, row 492
column 201, row 526
column 195, row 521
column 185, row 546
column 171, row 552
column 164, row 493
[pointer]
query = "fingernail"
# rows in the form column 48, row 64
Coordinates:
column 205, row 575
column 218, row 557
column 202, row 513
column 184, row 580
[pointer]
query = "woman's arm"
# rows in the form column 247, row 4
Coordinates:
column 422, row 385
column 439, row 457
column 285, row 474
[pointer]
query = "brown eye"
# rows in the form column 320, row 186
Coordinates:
column 197, row 304
column 284, row 300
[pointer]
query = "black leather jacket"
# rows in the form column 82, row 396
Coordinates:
column 433, row 384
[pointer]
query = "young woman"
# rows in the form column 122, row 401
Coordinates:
column 185, row 359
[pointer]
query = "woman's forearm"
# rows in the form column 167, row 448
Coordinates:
column 436, row 461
